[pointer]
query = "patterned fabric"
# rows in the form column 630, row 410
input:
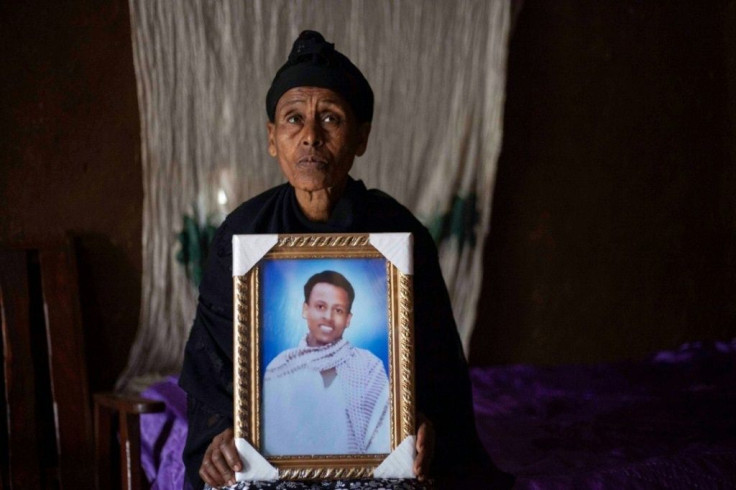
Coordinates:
column 203, row 69
column 360, row 372
column 377, row 484
column 321, row 358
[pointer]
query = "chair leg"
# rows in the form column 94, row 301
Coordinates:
column 130, row 451
column 128, row 410
column 103, row 429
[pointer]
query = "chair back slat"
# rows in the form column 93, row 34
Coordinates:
column 22, row 468
column 68, row 368
column 48, row 408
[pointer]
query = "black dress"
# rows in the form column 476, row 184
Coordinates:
column 443, row 391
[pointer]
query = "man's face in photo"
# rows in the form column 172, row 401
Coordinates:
column 327, row 314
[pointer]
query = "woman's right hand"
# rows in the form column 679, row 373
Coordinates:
column 221, row 460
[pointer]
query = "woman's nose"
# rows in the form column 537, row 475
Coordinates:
column 313, row 135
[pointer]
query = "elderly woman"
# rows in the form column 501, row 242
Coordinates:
column 320, row 109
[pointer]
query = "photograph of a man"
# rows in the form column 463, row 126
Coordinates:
column 325, row 396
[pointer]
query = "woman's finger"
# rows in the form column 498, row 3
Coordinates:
column 425, row 448
column 204, row 470
column 209, row 474
column 226, row 474
column 231, row 455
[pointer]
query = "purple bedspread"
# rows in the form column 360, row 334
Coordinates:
column 668, row 422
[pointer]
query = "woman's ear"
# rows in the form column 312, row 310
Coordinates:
column 364, row 130
column 271, row 139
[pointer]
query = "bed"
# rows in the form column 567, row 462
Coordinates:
column 666, row 422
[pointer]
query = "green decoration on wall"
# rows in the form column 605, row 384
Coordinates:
column 195, row 240
column 459, row 221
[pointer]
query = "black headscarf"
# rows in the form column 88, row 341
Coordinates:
column 313, row 62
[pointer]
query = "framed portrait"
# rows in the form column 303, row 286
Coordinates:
column 324, row 351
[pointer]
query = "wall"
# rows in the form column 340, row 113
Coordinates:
column 614, row 221
column 71, row 156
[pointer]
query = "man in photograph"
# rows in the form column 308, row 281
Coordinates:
column 325, row 396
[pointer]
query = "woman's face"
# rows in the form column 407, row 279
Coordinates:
column 315, row 138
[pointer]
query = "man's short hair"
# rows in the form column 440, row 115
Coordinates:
column 330, row 277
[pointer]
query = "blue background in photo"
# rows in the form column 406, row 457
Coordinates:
column 282, row 296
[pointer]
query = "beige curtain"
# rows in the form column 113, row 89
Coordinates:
column 203, row 68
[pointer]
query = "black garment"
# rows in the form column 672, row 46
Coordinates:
column 442, row 383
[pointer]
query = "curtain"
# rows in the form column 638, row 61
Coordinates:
column 203, row 68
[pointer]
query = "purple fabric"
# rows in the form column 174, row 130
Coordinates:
column 163, row 436
column 667, row 422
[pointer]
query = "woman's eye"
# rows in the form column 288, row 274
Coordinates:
column 331, row 118
column 293, row 119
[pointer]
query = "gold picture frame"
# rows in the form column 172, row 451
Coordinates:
column 257, row 262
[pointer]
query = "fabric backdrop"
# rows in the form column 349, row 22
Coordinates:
column 203, row 68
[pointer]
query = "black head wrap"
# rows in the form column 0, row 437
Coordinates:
column 313, row 62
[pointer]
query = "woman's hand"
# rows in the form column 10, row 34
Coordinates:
column 425, row 447
column 221, row 460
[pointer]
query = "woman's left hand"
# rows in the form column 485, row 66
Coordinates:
column 424, row 446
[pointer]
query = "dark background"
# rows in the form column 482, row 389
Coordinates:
column 613, row 229
column 70, row 156
column 614, row 217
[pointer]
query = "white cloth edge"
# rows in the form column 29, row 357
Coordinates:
column 255, row 466
column 397, row 248
column 400, row 463
column 249, row 249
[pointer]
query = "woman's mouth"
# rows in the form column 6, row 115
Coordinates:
column 312, row 162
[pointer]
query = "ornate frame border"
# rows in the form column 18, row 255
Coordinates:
column 246, row 359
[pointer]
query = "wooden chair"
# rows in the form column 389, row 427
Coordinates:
column 126, row 411
column 46, row 417
column 46, row 436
